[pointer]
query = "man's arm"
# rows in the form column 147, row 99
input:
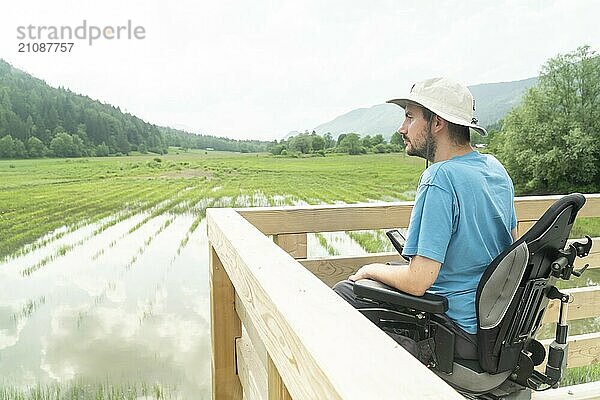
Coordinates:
column 414, row 278
column 514, row 234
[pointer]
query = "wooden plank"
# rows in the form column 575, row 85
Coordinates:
column 348, row 217
column 585, row 391
column 277, row 389
column 303, row 325
column 328, row 218
column 586, row 303
column 252, row 333
column 225, row 328
column 253, row 375
column 532, row 207
column 524, row 226
column 334, row 269
column 583, row 350
column 294, row 244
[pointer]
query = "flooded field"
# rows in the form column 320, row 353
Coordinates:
column 128, row 304
column 120, row 307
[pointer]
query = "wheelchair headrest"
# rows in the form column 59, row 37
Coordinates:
column 575, row 200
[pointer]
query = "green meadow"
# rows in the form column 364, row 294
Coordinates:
column 39, row 196
column 103, row 264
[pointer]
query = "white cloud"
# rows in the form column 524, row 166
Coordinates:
column 260, row 69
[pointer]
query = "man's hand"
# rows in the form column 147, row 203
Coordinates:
column 414, row 278
column 364, row 272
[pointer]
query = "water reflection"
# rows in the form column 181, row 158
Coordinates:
column 327, row 244
column 100, row 317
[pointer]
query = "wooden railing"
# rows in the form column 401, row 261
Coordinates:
column 280, row 332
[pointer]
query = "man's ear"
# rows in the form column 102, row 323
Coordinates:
column 438, row 124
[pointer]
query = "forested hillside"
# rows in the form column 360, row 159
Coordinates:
column 38, row 120
column 185, row 140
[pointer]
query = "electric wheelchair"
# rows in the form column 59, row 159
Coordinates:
column 511, row 299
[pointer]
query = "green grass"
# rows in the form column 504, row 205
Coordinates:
column 578, row 375
column 372, row 241
column 40, row 196
column 586, row 226
column 326, row 245
column 78, row 390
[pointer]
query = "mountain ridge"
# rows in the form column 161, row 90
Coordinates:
column 492, row 100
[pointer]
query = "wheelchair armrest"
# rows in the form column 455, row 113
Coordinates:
column 431, row 303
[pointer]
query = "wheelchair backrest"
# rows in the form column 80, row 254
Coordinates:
column 511, row 296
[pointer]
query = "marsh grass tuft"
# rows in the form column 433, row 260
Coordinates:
column 80, row 390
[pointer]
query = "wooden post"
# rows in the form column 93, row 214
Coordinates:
column 294, row 244
column 225, row 328
column 524, row 226
column 277, row 389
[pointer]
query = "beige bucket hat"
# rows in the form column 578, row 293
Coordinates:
column 446, row 98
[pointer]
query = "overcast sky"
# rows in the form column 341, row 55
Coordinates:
column 259, row 69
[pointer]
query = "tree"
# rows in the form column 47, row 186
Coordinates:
column 82, row 133
column 102, row 150
column 62, row 145
column 35, row 147
column 378, row 139
column 379, row 148
column 550, row 143
column 301, row 143
column 329, row 140
column 397, row 139
column 7, row 147
column 121, row 143
column 317, row 142
column 276, row 149
column 78, row 146
column 20, row 151
column 367, row 141
column 351, row 144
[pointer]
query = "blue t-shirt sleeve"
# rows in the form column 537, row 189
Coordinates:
column 513, row 222
column 431, row 223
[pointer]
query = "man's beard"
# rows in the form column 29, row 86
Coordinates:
column 427, row 149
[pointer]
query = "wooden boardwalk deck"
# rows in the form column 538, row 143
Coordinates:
column 280, row 332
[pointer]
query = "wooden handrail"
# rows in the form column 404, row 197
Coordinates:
column 328, row 218
column 348, row 217
column 297, row 318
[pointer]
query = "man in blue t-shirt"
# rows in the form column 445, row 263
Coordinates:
column 463, row 215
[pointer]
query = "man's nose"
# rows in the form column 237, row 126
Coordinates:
column 403, row 128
